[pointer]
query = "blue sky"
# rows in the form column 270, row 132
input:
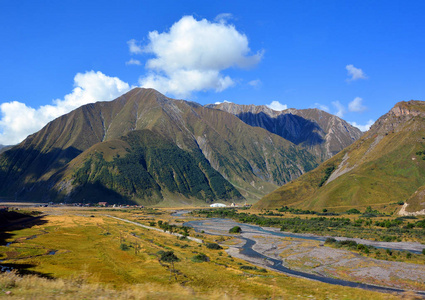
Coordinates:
column 58, row 55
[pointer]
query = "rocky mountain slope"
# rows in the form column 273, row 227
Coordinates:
column 321, row 133
column 146, row 148
column 384, row 168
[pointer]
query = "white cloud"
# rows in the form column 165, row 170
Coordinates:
column 355, row 73
column 340, row 109
column 356, row 105
column 321, row 106
column 19, row 120
column 191, row 56
column 363, row 127
column 133, row 62
column 276, row 105
column 255, row 83
column 225, row 101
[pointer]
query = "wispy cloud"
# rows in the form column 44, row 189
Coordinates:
column 276, row 105
column 321, row 106
column 192, row 55
column 355, row 73
column 134, row 48
column 340, row 109
column 133, row 62
column 223, row 17
column 255, row 83
column 356, row 105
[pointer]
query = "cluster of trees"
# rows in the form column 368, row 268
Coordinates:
column 328, row 172
column 184, row 230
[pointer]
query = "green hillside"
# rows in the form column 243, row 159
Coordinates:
column 385, row 167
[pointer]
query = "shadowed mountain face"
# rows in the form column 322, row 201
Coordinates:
column 384, row 167
column 146, row 148
column 4, row 148
column 323, row 134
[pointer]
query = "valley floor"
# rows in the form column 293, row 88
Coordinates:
column 74, row 253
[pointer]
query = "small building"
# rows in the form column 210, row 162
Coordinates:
column 218, row 205
column 104, row 204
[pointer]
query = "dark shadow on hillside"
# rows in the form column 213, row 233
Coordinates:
column 97, row 192
column 291, row 127
column 19, row 163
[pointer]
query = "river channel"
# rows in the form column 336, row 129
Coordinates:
column 250, row 237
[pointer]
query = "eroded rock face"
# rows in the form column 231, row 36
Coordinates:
column 413, row 108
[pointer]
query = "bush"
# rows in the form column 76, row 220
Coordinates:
column 353, row 211
column 330, row 241
column 201, row 257
column 124, row 247
column 248, row 268
column 235, row 229
column 213, row 246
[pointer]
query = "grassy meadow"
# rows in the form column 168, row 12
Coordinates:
column 83, row 253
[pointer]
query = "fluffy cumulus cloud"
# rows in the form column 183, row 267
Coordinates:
column 276, row 105
column 363, row 127
column 355, row 73
column 17, row 120
column 356, row 105
column 340, row 109
column 192, row 55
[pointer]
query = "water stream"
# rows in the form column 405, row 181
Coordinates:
column 213, row 226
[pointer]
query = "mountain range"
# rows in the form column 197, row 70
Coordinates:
column 146, row 148
column 317, row 131
column 383, row 169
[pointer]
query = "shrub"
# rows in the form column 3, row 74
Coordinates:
column 124, row 247
column 213, row 246
column 235, row 229
column 248, row 268
column 330, row 241
column 201, row 257
column 353, row 211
